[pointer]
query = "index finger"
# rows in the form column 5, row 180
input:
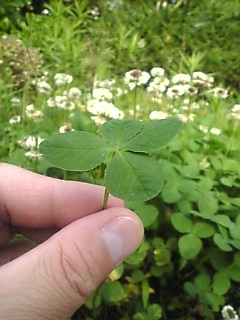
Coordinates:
column 31, row 200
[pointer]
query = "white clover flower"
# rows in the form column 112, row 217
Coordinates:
column 158, row 84
column 74, row 93
column 67, row 127
column 158, row 115
column 236, row 108
column 215, row 131
column 99, row 120
column 29, row 108
column 157, row 72
column 219, row 93
column 135, row 112
column 36, row 115
column 228, row 313
column 175, row 91
column 102, row 94
column 30, row 142
column 15, row 102
column 45, row 11
column 141, row 43
column 33, row 154
column 185, row 107
column 235, row 111
column 203, row 128
column 201, row 78
column 181, row 78
column 60, row 102
column 190, row 90
column 95, row 13
column 68, row 105
column 107, row 83
column 186, row 101
column 186, row 118
column 136, row 77
column 157, row 98
column 119, row 92
column 105, row 109
column 15, row 119
column 43, row 87
column 114, row 4
column 195, row 105
column 161, row 80
column 56, row 102
column 156, row 87
column 62, row 79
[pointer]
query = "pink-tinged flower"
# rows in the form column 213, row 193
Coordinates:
column 175, row 91
column 67, row 127
column 15, row 119
column 136, row 77
column 219, row 93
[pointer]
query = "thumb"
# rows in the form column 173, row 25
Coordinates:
column 52, row 280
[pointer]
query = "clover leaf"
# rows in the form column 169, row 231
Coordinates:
column 126, row 146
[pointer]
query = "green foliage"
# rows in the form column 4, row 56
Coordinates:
column 188, row 265
column 139, row 176
column 10, row 13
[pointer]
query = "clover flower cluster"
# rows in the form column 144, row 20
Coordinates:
column 181, row 95
column 31, row 144
column 228, row 313
column 189, row 90
column 235, row 111
column 100, row 105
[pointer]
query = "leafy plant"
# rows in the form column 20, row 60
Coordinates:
column 125, row 147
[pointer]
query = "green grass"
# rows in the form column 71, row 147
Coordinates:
column 201, row 165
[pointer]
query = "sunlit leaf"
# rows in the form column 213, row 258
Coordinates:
column 77, row 150
column 119, row 132
column 154, row 135
column 221, row 282
column 221, row 242
column 133, row 177
column 113, row 291
column 189, row 246
column 203, row 229
column 207, row 204
column 182, row 223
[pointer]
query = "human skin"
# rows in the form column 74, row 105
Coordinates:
column 70, row 244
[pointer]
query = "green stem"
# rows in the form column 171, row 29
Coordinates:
column 135, row 103
column 105, row 199
column 64, row 175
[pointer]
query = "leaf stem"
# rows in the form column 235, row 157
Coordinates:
column 105, row 199
column 135, row 103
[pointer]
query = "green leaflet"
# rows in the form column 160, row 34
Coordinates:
column 76, row 151
column 154, row 135
column 133, row 177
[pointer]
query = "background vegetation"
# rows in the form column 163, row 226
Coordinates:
column 188, row 266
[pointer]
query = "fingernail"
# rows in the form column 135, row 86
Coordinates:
column 122, row 236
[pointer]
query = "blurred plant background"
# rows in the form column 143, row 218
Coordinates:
column 72, row 65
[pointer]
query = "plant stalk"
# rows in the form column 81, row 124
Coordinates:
column 105, row 199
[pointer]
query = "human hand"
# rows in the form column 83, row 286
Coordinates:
column 79, row 244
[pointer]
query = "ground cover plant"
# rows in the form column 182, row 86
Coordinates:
column 90, row 69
